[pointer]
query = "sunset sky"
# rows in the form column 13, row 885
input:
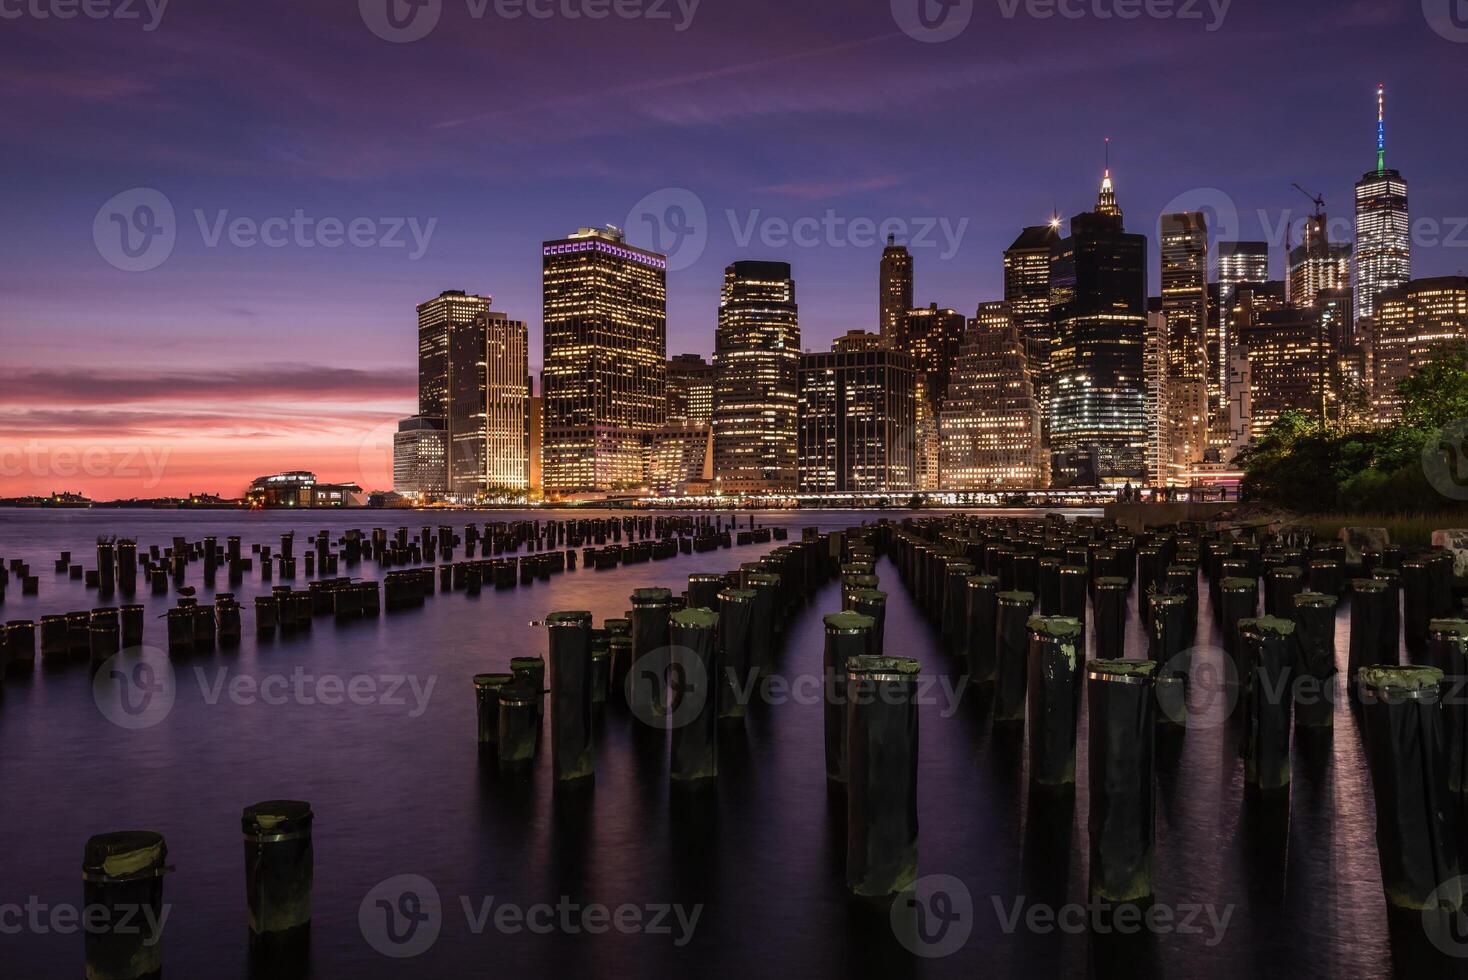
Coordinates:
column 232, row 358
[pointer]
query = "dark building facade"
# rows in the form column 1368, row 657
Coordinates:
column 894, row 291
column 856, row 421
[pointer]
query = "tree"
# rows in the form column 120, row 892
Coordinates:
column 1436, row 394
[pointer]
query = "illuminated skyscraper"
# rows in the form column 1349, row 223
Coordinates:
column 895, row 291
column 420, row 452
column 756, row 379
column 435, row 317
column 605, row 375
column 1288, row 364
column 690, row 390
column 1161, row 465
column 1192, row 398
column 933, row 337
column 856, row 421
column 990, row 423
column 857, row 340
column 1383, row 227
column 488, row 406
column 1098, row 421
column 1317, row 263
column 1027, row 293
column 1412, row 321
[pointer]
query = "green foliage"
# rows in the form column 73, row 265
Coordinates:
column 1311, row 467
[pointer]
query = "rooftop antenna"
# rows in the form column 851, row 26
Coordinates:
column 1381, row 128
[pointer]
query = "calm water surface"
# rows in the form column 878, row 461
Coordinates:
column 396, row 793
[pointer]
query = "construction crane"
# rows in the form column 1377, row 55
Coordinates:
column 1318, row 199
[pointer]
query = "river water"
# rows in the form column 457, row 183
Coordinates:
column 399, row 788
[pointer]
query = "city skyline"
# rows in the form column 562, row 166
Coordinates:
column 324, row 331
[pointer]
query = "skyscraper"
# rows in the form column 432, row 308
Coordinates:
column 1317, row 263
column 1191, row 399
column 605, row 374
column 1098, row 422
column 435, row 317
column 1160, row 462
column 420, row 451
column 1238, row 263
column 1027, row 293
column 1412, row 321
column 1287, row 364
column 690, row 390
column 487, row 421
column 756, row 379
column 894, row 291
column 990, row 423
column 1383, row 227
column 933, row 337
column 856, row 421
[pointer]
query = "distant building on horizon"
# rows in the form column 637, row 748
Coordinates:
column 894, row 291
column 690, row 390
column 857, row 340
column 420, row 452
column 605, row 372
column 1098, row 421
column 856, row 419
column 756, row 380
column 1383, row 229
column 300, row 489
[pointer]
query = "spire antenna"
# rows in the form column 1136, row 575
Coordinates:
column 1381, row 128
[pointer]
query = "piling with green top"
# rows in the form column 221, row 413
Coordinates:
column 519, row 723
column 279, row 873
column 1057, row 649
column 650, row 612
column 873, row 603
column 569, row 658
column 1111, row 609
column 1447, row 648
column 981, row 625
column 122, row 873
column 1416, row 829
column 1012, row 655
column 693, row 699
column 848, row 635
column 736, row 617
column 487, row 689
column 1123, row 807
column 765, row 624
column 881, row 797
column 530, row 671
column 1238, row 599
column 1284, row 583
column 1269, row 656
column 1314, row 615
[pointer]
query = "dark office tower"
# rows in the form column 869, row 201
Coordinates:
column 605, row 375
column 1337, row 325
column 895, row 291
column 435, row 318
column 856, row 420
column 1191, row 400
column 487, row 423
column 690, row 390
column 756, row 380
column 1098, row 410
column 1383, row 227
column 1316, row 263
column 1027, row 292
column 933, row 337
column 1288, row 364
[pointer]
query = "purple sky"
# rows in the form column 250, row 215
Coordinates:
column 494, row 134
